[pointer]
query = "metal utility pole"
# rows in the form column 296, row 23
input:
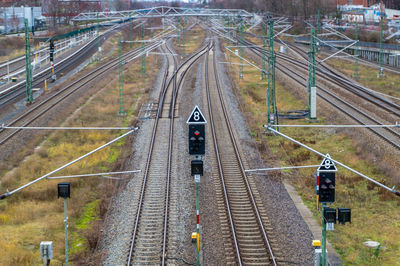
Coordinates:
column 152, row 27
column 264, row 40
column 143, row 67
column 271, row 104
column 98, row 39
column 381, row 43
column 356, row 74
column 318, row 27
column 311, row 76
column 121, row 111
column 183, row 37
column 241, row 49
column 130, row 33
column 28, row 69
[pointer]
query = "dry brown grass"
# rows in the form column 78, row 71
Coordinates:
column 374, row 210
column 35, row 214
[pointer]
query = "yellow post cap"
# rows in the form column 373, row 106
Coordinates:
column 316, row 243
column 194, row 235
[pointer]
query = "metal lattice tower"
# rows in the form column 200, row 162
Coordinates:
column 130, row 33
column 183, row 37
column 143, row 66
column 271, row 103
column 241, row 44
column 152, row 27
column 121, row 99
column 264, row 40
column 318, row 27
column 381, row 46
column 356, row 75
column 98, row 39
column 28, row 69
column 311, row 67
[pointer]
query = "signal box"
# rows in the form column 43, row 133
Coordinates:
column 327, row 187
column 344, row 215
column 330, row 215
column 197, row 167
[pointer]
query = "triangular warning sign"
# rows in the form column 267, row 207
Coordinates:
column 327, row 165
column 196, row 117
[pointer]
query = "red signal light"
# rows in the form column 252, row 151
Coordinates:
column 197, row 133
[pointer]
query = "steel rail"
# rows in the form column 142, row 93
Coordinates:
column 332, row 76
column 237, row 155
column 19, row 89
column 392, row 131
column 81, row 82
column 165, row 86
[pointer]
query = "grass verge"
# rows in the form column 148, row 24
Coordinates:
column 375, row 212
column 35, row 214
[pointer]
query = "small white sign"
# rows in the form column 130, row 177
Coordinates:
column 327, row 165
column 196, row 117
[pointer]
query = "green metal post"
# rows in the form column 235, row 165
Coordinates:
column 356, row 74
column 98, row 39
column 66, row 231
column 264, row 40
column 152, row 27
column 143, row 67
column 311, row 72
column 271, row 103
column 183, row 38
column 121, row 111
column 318, row 27
column 323, row 246
column 130, row 33
column 241, row 53
column 28, row 69
column 381, row 47
column 197, row 226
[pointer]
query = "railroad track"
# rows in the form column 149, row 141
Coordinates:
column 15, row 92
column 389, row 135
column 39, row 108
column 244, row 219
column 149, row 236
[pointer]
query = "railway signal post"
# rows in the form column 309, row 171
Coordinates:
column 197, row 141
column 51, row 49
column 326, row 194
column 64, row 191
